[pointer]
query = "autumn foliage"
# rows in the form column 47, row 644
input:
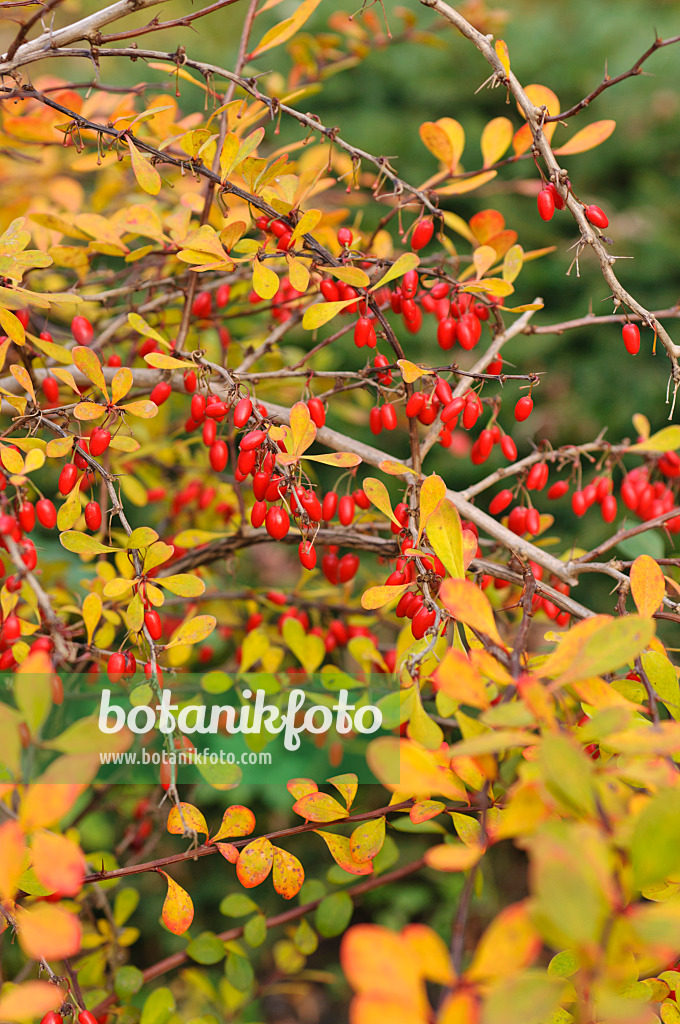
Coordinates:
column 242, row 361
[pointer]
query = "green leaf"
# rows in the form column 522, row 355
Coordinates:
column 407, row 261
column 128, row 981
column 255, row 930
column 206, row 949
column 333, row 914
column 236, row 904
column 666, row 440
column 159, row 1007
column 655, row 846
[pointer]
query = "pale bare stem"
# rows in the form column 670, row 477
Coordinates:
column 535, row 119
column 489, row 355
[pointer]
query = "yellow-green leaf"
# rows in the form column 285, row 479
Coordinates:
column 265, row 281
column 146, row 174
column 12, row 326
column 183, row 584
column 285, row 30
column 666, row 440
column 139, row 324
column 322, row 312
column 185, row 816
column 92, row 613
column 432, row 493
column 121, row 384
column 378, row 597
column 377, row 494
column 341, row 460
column 88, row 363
column 407, row 261
column 83, row 544
column 193, row 631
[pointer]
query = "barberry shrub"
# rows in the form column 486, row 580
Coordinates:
column 243, row 361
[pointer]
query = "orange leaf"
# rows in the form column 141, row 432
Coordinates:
column 458, row 188
column 229, row 852
column 460, row 1007
column 193, row 819
column 501, row 48
column 587, row 138
column 647, row 584
column 377, row 963
column 410, row 371
column 460, row 680
column 22, row 375
column 468, row 604
column 508, row 945
column 341, row 853
column 496, row 137
column 423, row 810
column 404, row 766
column 288, row 874
column 453, row 856
column 485, row 224
column 522, row 139
column 178, row 908
column 236, row 821
column 542, row 96
column 58, row 862
column 48, row 932
column 30, row 1000
column 319, row 807
column 437, row 141
column 46, row 803
column 146, row 174
column 430, row 952
column 12, row 857
column 255, row 862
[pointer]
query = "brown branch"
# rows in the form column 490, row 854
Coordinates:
column 156, row 26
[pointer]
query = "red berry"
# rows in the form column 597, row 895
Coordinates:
column 190, row 381
column 100, row 439
column 328, row 506
column 222, row 295
column 161, row 393
column 277, row 523
column 52, row 1017
column 631, row 338
column 317, row 411
column 409, row 284
column 468, row 331
column 422, row 234
column 307, row 554
column 152, row 621
column 258, row 513
column 346, row 509
column 115, row 668
column 578, row 503
column 500, row 502
column 219, row 455
column 596, row 216
column 388, row 416
column 538, row 477
column 202, row 305
column 364, row 333
column 345, row 237
column 93, row 515
column 67, row 478
column 82, row 330
column 329, row 290
column 50, row 386
column 27, row 516
column 11, row 629
column 347, row 567
column 242, row 412
column 557, row 198
column 609, row 508
column 517, row 520
column 252, row 440
column 46, row 513
column 422, row 620
column 375, row 420
column 546, row 204
column 523, row 408
column 85, row 1017
column 415, row 404
column 533, row 521
column 558, row 489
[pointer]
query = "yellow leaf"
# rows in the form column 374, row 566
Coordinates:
column 407, row 261
column 309, row 650
column 410, row 371
column 34, row 460
column 445, row 534
column 509, row 944
column 160, row 361
column 666, row 440
column 185, row 816
column 236, row 821
column 394, row 468
column 437, row 141
column 587, row 138
column 468, row 604
column 432, row 493
column 512, row 263
column 319, row 807
column 285, row 30
column 67, row 377
column 121, row 384
column 354, row 276
column 89, row 411
column 483, row 258
column 496, row 137
column 502, row 53
column 12, row 460
column 22, row 375
column 265, row 281
column 340, row 850
column 376, row 492
column 298, row 274
column 287, row 874
column 322, row 312
column 183, row 584
column 642, row 425
column 145, row 410
column 307, row 222
column 92, row 613
column 193, row 631
column 12, row 327
column 367, row 840
column 146, row 174
column 140, row 325
column 458, row 188
column 341, row 460
column 83, row 544
column 303, row 431
column 598, row 645
column 255, row 862
column 456, row 136
column 378, row 597
column 88, row 363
